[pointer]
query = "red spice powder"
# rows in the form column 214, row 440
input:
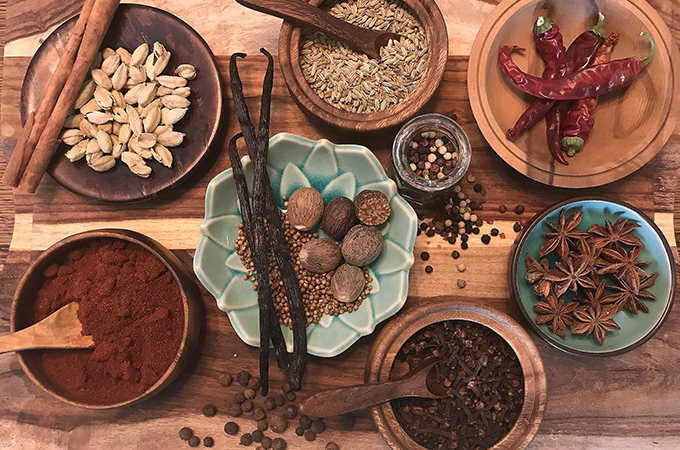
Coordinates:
column 132, row 307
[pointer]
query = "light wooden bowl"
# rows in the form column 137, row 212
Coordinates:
column 400, row 329
column 32, row 279
column 631, row 125
column 434, row 24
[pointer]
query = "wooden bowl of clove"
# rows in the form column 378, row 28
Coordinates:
column 432, row 325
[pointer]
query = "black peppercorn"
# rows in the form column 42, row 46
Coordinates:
column 208, row 441
column 519, row 209
column 247, row 406
column 234, row 409
column 243, row 377
column 194, row 441
column 494, row 232
column 209, row 410
column 278, row 444
column 225, row 379
column 231, row 428
column 455, row 254
column 246, row 439
column 428, row 269
column 486, row 239
column 286, row 387
column 262, row 425
column 239, row 397
column 305, row 422
column 452, row 239
column 475, row 230
column 424, row 256
column 419, row 232
column 430, row 232
column 318, row 426
column 464, row 245
column 472, row 205
column 269, row 403
column 185, row 433
column 280, row 399
column 347, row 422
column 291, row 396
column 479, row 222
column 468, row 228
column 502, row 208
column 517, row 227
column 266, row 442
column 257, row 435
column 464, row 238
column 332, row 446
column 259, row 413
column 254, row 383
column 477, row 187
column 290, row 411
column 310, row 435
column 300, row 431
column 423, row 226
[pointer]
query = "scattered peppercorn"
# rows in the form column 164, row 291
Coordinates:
column 254, row 383
column 280, row 399
column 231, row 428
column 208, row 441
column 278, row 444
column 266, row 442
column 424, row 256
column 477, row 188
column 502, row 209
column 246, row 439
column 517, row 227
column 262, row 425
column 305, row 422
column 494, row 232
column 310, row 435
column 419, row 232
column 243, row 377
column 347, row 422
column 286, row 387
column 452, row 239
column 486, row 239
column 300, row 431
column 257, row 435
column 318, row 426
column 461, row 284
column 239, row 397
column 464, row 238
column 479, row 222
column 464, row 245
column 277, row 423
column 249, row 393
column 290, row 411
column 291, row 396
column 269, row 403
column 423, row 226
column 185, row 433
column 209, row 410
column 475, row 230
column 225, row 379
column 430, row 232
column 332, row 446
column 259, row 413
column 234, row 409
column 519, row 209
column 194, row 441
column 247, row 406
column 428, row 269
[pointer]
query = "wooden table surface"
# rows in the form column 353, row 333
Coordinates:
column 626, row 402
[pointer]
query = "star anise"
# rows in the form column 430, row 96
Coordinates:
column 597, row 296
column 570, row 274
column 560, row 238
column 595, row 319
column 624, row 264
column 629, row 296
column 621, row 232
column 592, row 254
column 535, row 270
column 557, row 314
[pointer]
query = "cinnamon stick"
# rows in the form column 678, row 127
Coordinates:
column 97, row 26
column 30, row 135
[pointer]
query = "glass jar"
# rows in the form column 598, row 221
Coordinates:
column 416, row 189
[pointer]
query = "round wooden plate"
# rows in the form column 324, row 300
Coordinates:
column 131, row 26
column 632, row 125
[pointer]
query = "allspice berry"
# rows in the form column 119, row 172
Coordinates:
column 305, row 208
column 320, row 255
column 277, row 423
column 347, row 283
column 362, row 245
column 372, row 207
column 338, row 217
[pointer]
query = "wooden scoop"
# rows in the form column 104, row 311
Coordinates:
column 59, row 330
column 418, row 383
column 302, row 13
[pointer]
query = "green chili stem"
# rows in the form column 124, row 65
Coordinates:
column 542, row 25
column 599, row 28
column 652, row 50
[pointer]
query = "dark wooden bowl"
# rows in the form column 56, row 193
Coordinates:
column 131, row 26
column 434, row 24
column 400, row 329
column 32, row 279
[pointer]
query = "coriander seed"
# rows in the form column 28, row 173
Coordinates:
column 461, row 267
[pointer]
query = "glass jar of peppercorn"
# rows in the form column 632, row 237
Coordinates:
column 430, row 154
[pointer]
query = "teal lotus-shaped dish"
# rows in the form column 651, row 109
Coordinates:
column 334, row 170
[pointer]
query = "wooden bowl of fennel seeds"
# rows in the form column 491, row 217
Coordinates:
column 348, row 89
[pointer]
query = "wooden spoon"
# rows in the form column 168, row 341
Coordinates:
column 58, row 330
column 302, row 13
column 418, row 383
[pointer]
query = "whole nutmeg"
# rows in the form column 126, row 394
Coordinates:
column 362, row 245
column 305, row 208
column 372, row 207
column 320, row 255
column 338, row 217
column 347, row 283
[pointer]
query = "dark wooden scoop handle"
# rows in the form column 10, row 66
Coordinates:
column 301, row 13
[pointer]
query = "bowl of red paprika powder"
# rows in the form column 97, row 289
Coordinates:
column 137, row 301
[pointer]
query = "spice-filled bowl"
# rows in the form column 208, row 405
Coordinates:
column 135, row 298
column 335, row 171
column 473, row 343
column 430, row 154
column 608, row 291
column 348, row 89
column 630, row 125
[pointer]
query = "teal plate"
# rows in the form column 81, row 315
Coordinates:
column 333, row 170
column 635, row 329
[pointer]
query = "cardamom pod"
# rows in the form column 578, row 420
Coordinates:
column 160, row 129
column 92, row 147
column 104, row 98
column 172, row 116
column 132, row 96
column 139, row 55
column 131, row 158
column 72, row 136
column 98, row 117
column 119, row 114
column 115, row 130
column 146, row 140
column 90, row 106
column 148, row 66
column 125, row 55
column 77, row 152
column 73, row 121
column 159, row 49
column 162, row 90
column 134, row 120
column 104, row 141
column 171, row 138
column 141, row 170
column 118, row 150
column 152, row 119
column 171, row 82
column 85, row 94
column 104, row 163
column 147, row 94
column 160, row 65
column 143, row 152
column 108, row 52
column 88, row 128
column 175, row 101
column 118, row 99
column 101, row 79
column 93, row 157
column 182, row 92
column 186, row 71
column 147, row 109
column 125, row 133
column 111, row 63
column 108, row 126
column 120, row 77
column 162, row 155
column 137, row 76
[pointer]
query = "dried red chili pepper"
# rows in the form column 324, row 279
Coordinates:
column 550, row 47
column 596, row 80
column 578, row 56
column 579, row 121
column 554, row 121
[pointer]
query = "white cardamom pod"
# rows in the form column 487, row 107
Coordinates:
column 77, row 152
column 152, row 119
column 72, row 136
column 118, row 150
column 186, row 71
column 98, row 117
column 88, row 129
column 104, row 98
column 132, row 96
column 108, row 52
column 120, row 77
column 143, row 152
column 73, row 121
column 171, row 82
column 92, row 147
column 124, row 55
column 90, row 106
column 141, row 170
column 147, row 109
column 131, row 158
column 116, row 129
column 119, row 114
column 147, row 94
column 106, row 127
column 172, row 116
column 182, row 92
column 162, row 155
column 139, row 55
column 148, row 66
column 104, row 163
column 125, row 133
column 114, row 137
column 171, row 138
column 160, row 129
column 146, row 140
column 162, row 90
column 85, row 94
column 118, row 99
column 93, row 157
column 110, row 64
column 159, row 49
column 160, row 65
column 101, row 79
column 134, row 120
column 104, row 141
column 137, row 76
column 175, row 101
